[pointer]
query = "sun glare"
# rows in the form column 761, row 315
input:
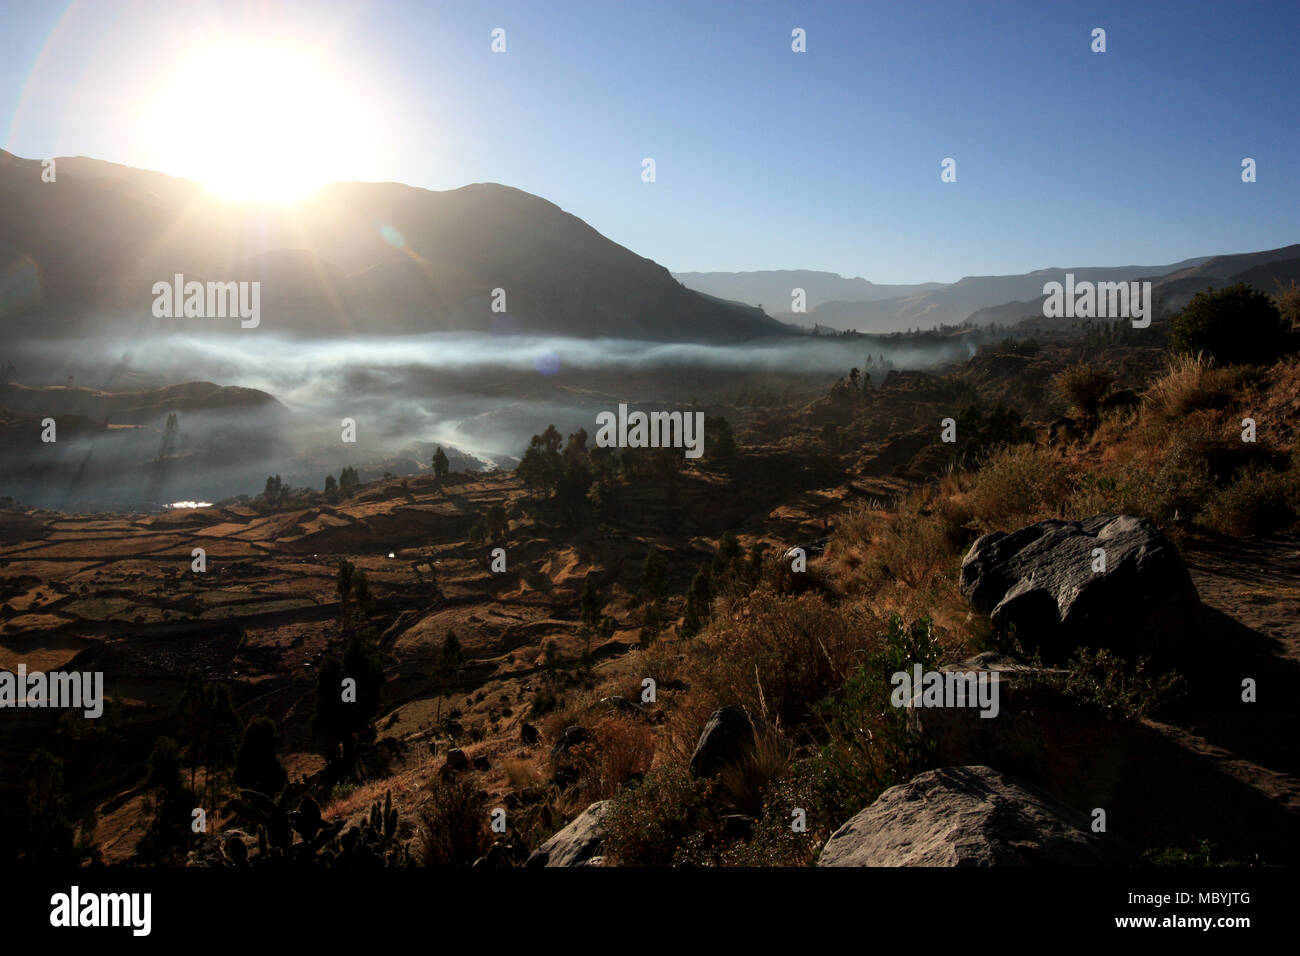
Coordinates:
column 258, row 123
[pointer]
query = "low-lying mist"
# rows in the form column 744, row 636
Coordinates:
column 480, row 396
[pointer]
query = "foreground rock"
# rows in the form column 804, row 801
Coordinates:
column 969, row 816
column 578, row 844
column 727, row 736
column 1047, row 580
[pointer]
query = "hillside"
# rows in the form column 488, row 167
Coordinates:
column 373, row 258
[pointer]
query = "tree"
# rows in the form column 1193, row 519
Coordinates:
column 331, row 487
column 342, row 723
column 273, row 493
column 440, row 467
column 168, row 832
column 719, row 443
column 348, row 479
column 1236, row 325
column 209, row 729
column 539, row 469
column 343, row 588
column 48, row 838
column 590, row 604
column 654, row 573
column 446, row 665
column 257, row 767
column 495, row 522
column 698, row 599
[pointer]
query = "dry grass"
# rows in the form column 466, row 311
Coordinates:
column 1190, row 383
column 775, row 655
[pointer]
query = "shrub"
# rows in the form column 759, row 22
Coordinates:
column 870, row 746
column 1189, row 383
column 452, row 824
column 1081, row 387
column 1259, row 500
column 1016, row 485
column 1233, row 325
column 647, row 825
column 780, row 653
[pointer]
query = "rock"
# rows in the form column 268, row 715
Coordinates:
column 433, row 748
column 571, row 737
column 724, row 740
column 969, row 816
column 1041, row 579
column 456, row 761
column 529, row 734
column 481, row 762
column 578, row 843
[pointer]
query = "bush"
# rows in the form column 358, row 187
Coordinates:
column 1259, row 500
column 1233, row 325
column 452, row 831
column 1081, row 387
column 648, row 824
column 780, row 654
column 870, row 745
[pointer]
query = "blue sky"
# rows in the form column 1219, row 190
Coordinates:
column 766, row 158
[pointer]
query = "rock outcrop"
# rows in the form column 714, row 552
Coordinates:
column 728, row 734
column 969, row 816
column 578, row 844
column 1108, row 581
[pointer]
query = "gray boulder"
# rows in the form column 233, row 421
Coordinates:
column 1042, row 579
column 969, row 816
column 578, row 844
column 726, row 737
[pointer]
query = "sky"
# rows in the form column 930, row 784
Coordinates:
column 765, row 158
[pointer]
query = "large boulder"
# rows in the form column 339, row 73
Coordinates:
column 578, row 844
column 729, row 734
column 1046, row 580
column 969, row 816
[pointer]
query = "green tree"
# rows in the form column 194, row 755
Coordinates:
column 590, row 605
column 440, row 466
column 446, row 666
column 654, row 574
column 49, row 835
column 1236, row 325
column 719, row 443
column 257, row 767
column 495, row 522
column 698, row 600
column 167, row 834
column 342, row 723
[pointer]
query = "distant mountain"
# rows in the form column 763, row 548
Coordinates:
column 774, row 289
column 954, row 303
column 1262, row 270
column 370, row 258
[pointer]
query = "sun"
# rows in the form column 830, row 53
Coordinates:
column 257, row 122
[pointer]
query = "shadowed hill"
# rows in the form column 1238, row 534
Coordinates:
column 351, row 258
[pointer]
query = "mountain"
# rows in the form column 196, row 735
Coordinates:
column 1262, row 270
column 378, row 258
column 773, row 288
column 935, row 303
